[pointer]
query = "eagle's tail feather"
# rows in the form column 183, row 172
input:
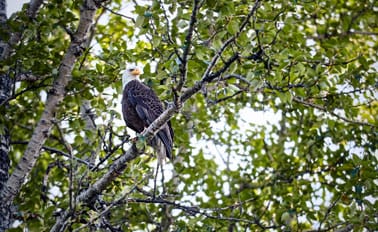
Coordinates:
column 166, row 138
column 160, row 149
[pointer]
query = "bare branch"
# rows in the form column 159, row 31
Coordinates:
column 329, row 210
column 208, row 213
column 116, row 13
column 187, row 46
column 58, row 152
column 324, row 109
column 213, row 102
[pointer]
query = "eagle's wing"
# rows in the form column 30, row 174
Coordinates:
column 149, row 107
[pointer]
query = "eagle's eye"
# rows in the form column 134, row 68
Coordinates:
column 131, row 69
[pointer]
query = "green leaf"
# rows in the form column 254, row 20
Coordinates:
column 139, row 21
column 233, row 27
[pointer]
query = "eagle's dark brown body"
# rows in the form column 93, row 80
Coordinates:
column 140, row 107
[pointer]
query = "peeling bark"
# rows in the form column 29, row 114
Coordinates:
column 5, row 92
column 3, row 11
column 5, row 210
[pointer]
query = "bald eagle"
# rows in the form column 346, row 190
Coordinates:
column 140, row 107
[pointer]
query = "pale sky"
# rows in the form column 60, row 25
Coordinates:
column 14, row 5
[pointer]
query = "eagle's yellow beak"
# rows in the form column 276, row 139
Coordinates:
column 136, row 71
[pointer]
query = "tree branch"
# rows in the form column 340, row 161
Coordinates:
column 58, row 152
column 324, row 109
column 329, row 210
column 187, row 46
column 193, row 210
column 116, row 13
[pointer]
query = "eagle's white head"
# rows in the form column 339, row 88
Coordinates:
column 132, row 72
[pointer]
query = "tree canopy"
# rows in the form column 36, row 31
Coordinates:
column 222, row 67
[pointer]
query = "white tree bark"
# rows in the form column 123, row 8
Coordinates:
column 5, row 92
column 89, row 118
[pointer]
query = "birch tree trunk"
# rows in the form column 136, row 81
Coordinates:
column 5, row 91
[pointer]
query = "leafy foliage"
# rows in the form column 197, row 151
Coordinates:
column 310, row 64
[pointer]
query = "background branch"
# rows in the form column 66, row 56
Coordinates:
column 187, row 45
column 324, row 109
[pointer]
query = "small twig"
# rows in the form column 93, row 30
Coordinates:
column 331, row 62
column 193, row 210
column 236, row 76
column 328, row 212
column 56, row 163
column 110, row 153
column 56, row 151
column 32, row 87
column 167, row 20
column 116, row 13
column 187, row 46
column 324, row 109
column 71, row 169
column 226, row 98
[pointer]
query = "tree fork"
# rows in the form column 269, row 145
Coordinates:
column 55, row 96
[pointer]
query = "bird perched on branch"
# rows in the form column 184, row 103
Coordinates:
column 140, row 107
